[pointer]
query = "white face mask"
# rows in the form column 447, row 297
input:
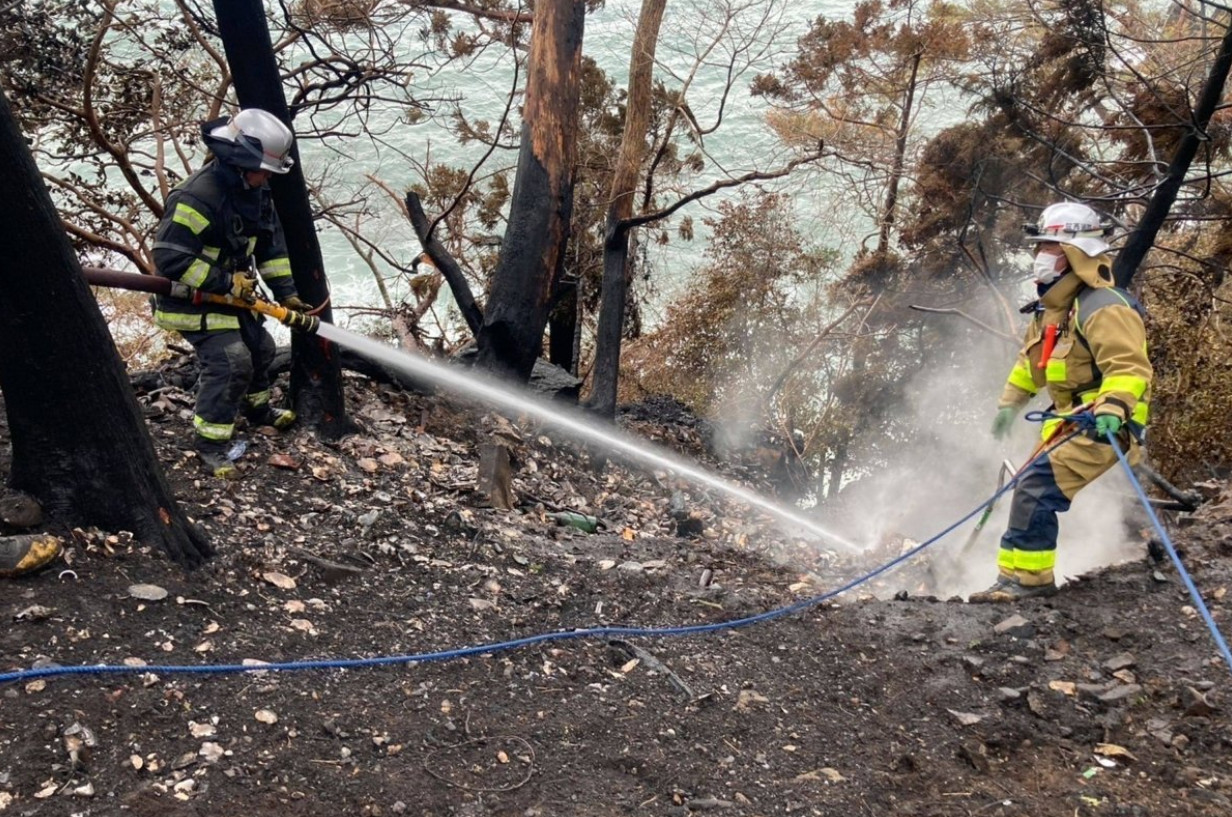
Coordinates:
column 1045, row 268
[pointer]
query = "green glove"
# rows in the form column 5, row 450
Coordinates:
column 1001, row 424
column 295, row 304
column 1106, row 424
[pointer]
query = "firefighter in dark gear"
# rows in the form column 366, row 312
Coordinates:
column 219, row 230
column 1086, row 345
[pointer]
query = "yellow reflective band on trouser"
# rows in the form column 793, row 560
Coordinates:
column 275, row 268
column 213, row 431
column 1020, row 378
column 1049, row 426
column 1035, row 561
column 257, row 398
column 1030, row 568
column 189, row 218
column 215, row 322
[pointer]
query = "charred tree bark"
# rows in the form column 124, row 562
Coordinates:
column 445, row 262
column 889, row 209
column 1143, row 237
column 563, row 328
column 532, row 254
column 615, row 288
column 80, row 445
column 316, row 374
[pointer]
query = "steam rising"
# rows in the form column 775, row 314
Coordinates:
column 940, row 475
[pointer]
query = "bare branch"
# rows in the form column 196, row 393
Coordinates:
column 723, row 184
column 991, row 330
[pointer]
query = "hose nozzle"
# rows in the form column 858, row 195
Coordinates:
column 301, row 321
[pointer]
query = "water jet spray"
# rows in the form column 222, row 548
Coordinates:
column 489, row 390
column 476, row 385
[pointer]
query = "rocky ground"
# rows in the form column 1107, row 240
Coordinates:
column 1108, row 699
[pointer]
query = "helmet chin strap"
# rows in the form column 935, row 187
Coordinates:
column 230, row 153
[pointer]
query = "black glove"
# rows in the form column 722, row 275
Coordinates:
column 294, row 303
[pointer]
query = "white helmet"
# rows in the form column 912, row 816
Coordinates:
column 257, row 139
column 1069, row 222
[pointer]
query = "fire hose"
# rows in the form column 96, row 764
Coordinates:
column 115, row 279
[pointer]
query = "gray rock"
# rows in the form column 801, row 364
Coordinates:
column 20, row 510
column 1194, row 703
column 1121, row 693
column 1016, row 626
column 973, row 663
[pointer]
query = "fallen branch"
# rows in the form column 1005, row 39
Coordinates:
column 656, row 665
column 322, row 562
column 1189, row 499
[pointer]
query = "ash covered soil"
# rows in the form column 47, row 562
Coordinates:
column 1108, row 699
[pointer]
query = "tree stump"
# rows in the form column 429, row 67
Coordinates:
column 495, row 475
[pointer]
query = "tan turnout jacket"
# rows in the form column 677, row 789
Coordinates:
column 1100, row 355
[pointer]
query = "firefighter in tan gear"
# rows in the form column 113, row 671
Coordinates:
column 1086, row 345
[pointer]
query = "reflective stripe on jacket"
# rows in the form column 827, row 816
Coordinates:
column 215, row 225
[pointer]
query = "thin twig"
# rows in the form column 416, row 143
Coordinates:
column 530, row 766
column 656, row 665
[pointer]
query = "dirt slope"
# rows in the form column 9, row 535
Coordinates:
column 1110, row 699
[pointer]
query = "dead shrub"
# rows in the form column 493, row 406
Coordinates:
column 1189, row 328
column 338, row 14
column 139, row 342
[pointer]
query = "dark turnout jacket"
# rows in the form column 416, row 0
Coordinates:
column 215, row 225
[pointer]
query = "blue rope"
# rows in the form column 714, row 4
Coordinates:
column 1176, row 559
column 445, row 655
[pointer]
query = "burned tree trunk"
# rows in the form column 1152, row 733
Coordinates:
column 532, row 254
column 615, row 288
column 1142, row 238
column 316, row 374
column 80, row 445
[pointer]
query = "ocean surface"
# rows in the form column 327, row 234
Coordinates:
column 742, row 143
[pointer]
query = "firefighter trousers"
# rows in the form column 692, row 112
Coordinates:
column 1047, row 487
column 234, row 364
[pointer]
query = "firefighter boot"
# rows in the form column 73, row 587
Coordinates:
column 25, row 554
column 266, row 415
column 1008, row 590
column 214, row 459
